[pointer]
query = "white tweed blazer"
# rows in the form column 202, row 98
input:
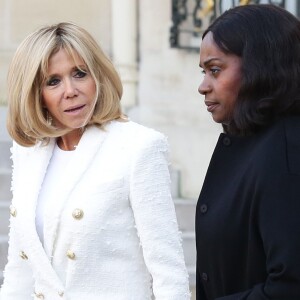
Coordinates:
column 115, row 234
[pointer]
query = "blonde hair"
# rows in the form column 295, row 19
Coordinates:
column 27, row 117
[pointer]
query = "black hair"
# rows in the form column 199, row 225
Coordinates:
column 267, row 38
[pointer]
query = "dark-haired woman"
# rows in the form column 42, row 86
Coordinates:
column 248, row 212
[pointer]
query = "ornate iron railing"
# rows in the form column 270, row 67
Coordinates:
column 191, row 17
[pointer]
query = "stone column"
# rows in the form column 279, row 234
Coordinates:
column 124, row 47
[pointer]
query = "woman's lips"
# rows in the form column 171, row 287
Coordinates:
column 211, row 106
column 75, row 109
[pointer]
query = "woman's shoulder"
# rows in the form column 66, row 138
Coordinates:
column 279, row 145
column 285, row 130
column 135, row 132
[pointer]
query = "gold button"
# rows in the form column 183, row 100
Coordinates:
column 13, row 211
column 71, row 254
column 23, row 255
column 61, row 293
column 39, row 295
column 77, row 213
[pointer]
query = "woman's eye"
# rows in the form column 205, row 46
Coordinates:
column 80, row 74
column 214, row 70
column 53, row 82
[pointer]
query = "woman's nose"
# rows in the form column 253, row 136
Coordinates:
column 204, row 86
column 70, row 89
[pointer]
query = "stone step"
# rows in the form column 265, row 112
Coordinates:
column 3, row 132
column 185, row 211
column 189, row 251
column 4, row 218
column 5, row 182
column 3, row 255
column 175, row 182
column 5, row 161
column 189, row 248
column 192, row 275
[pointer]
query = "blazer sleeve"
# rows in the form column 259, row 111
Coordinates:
column 156, row 221
column 18, row 277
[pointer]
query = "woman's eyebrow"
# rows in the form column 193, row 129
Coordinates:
column 208, row 61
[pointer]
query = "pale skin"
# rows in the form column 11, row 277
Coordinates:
column 69, row 95
column 222, row 79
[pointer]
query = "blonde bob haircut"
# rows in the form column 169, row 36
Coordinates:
column 27, row 120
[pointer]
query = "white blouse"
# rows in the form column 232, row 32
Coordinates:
column 46, row 200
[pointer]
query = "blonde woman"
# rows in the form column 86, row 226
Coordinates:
column 92, row 215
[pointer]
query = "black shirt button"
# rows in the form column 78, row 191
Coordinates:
column 204, row 277
column 226, row 141
column 203, row 208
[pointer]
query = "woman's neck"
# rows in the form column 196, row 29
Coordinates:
column 69, row 141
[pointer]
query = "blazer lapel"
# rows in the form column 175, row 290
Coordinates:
column 85, row 152
column 32, row 166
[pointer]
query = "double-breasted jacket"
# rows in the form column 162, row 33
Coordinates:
column 114, row 235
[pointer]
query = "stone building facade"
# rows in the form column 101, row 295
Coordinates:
column 160, row 87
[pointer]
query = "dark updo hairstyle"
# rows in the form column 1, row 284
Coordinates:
column 267, row 38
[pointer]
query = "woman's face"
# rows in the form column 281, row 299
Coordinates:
column 69, row 92
column 222, row 79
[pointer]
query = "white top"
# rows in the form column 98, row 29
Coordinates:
column 47, row 199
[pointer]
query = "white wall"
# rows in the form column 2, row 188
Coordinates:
column 168, row 97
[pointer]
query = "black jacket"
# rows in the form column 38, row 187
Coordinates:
column 248, row 217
